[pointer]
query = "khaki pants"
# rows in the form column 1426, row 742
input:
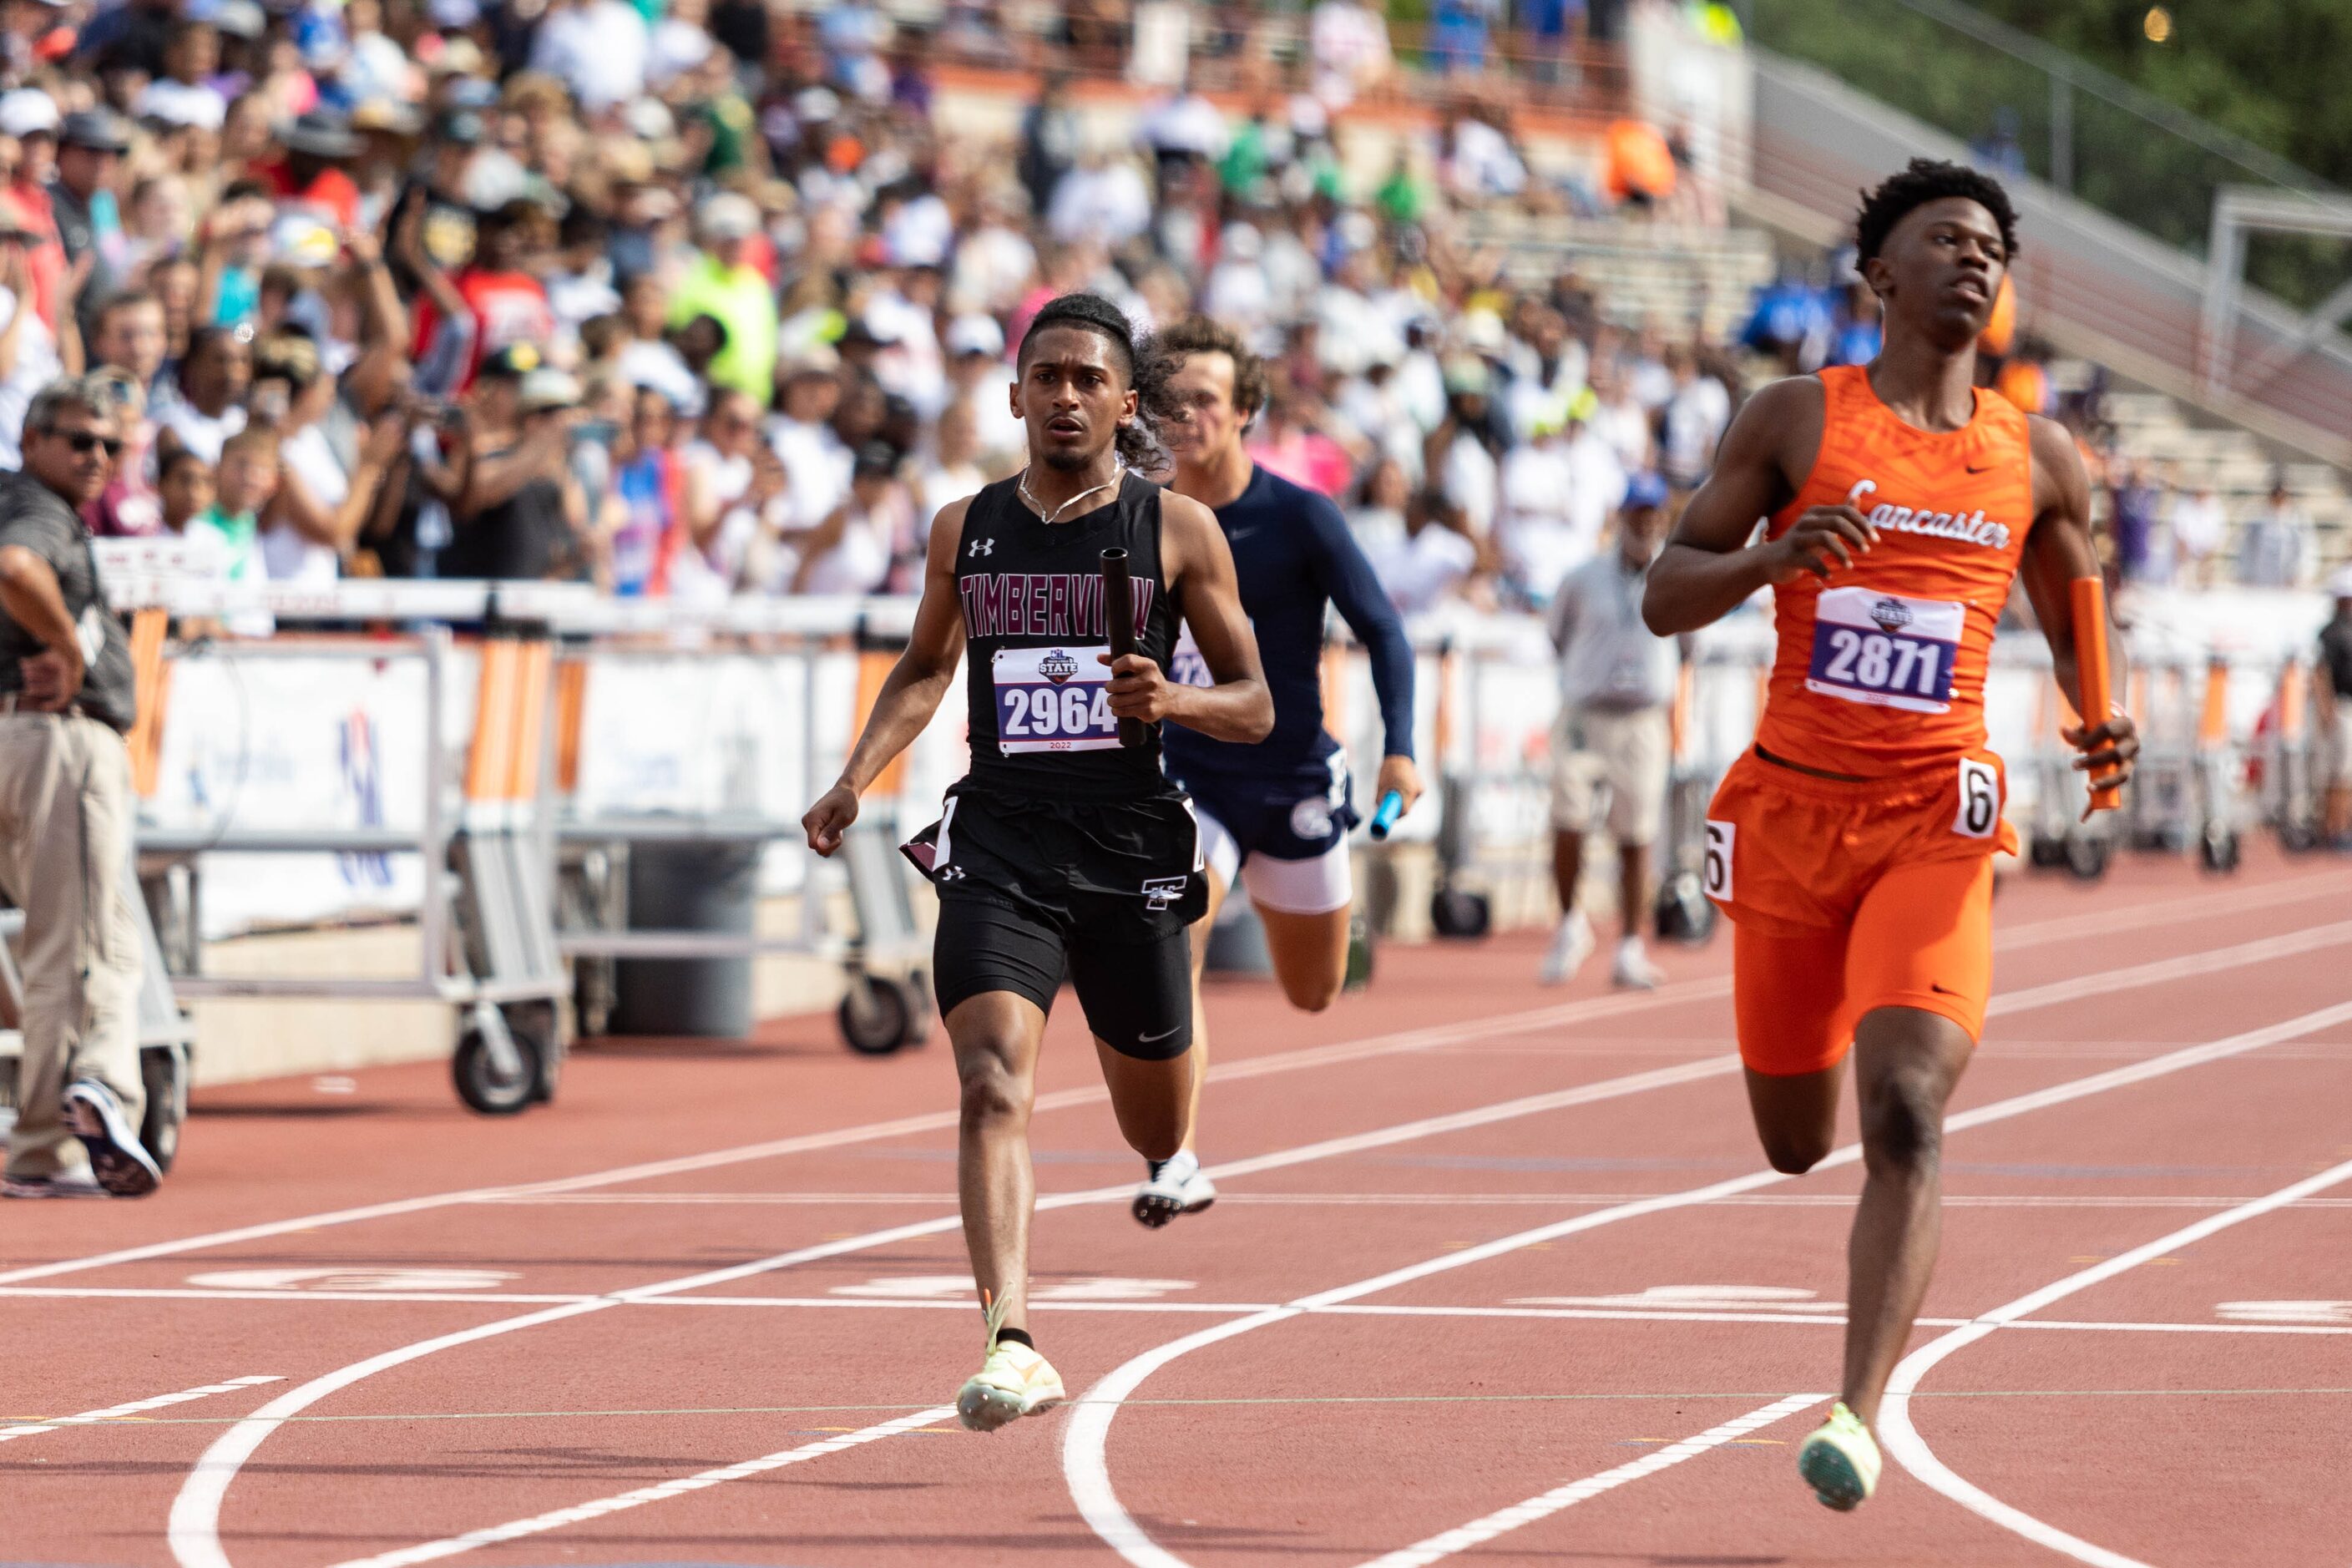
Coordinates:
column 65, row 839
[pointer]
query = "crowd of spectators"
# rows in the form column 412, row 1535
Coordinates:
column 708, row 296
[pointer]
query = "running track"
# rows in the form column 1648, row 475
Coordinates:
column 1498, row 1275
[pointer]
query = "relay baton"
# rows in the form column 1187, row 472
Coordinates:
column 1391, row 807
column 1118, row 618
column 2091, row 668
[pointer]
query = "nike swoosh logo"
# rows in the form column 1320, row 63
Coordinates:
column 1154, row 1039
column 1986, row 469
column 1237, row 535
column 1938, row 990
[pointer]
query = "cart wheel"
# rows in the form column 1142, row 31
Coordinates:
column 2048, row 853
column 876, row 1015
column 1459, row 914
column 2087, row 857
column 163, row 1073
column 1682, row 912
column 2296, row 838
column 2219, row 848
column 479, row 1083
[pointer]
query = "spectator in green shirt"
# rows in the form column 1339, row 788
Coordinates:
column 723, row 285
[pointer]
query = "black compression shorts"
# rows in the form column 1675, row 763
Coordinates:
column 1137, row 996
column 1104, row 891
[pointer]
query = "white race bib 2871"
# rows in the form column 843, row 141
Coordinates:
column 1054, row 700
column 1885, row 650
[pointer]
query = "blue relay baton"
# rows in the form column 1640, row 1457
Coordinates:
column 1391, row 807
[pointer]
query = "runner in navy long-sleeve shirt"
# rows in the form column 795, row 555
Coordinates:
column 1276, row 815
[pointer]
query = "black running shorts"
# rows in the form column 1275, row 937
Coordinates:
column 1103, row 891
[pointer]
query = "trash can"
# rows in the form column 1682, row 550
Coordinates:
column 701, row 885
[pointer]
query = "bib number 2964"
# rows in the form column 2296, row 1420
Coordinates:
column 1054, row 700
column 1980, row 811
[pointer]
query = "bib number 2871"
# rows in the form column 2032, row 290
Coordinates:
column 1885, row 650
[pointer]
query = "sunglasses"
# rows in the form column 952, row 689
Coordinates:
column 84, row 442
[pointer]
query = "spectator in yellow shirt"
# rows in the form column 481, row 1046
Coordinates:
column 723, row 285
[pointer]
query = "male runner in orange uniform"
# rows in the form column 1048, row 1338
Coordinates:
column 1853, row 846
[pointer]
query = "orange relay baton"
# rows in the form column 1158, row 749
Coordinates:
column 2091, row 671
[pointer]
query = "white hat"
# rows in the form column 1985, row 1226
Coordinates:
column 547, row 387
column 728, row 215
column 26, row 111
column 1242, row 242
column 1482, row 331
column 975, row 334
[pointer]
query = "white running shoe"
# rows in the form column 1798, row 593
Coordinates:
column 65, row 1185
column 1173, row 1187
column 1571, row 944
column 1014, row 1381
column 1634, row 971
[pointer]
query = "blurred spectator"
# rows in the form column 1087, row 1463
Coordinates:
column 723, row 285
column 1693, row 421
column 655, row 499
column 28, row 349
column 1348, row 43
column 208, row 406
column 1997, row 150
column 2196, row 523
column 1611, row 747
column 231, row 518
column 2274, row 546
column 1640, row 171
column 850, row 549
column 1049, row 142
column 1457, row 34
column 2133, row 502
column 1434, row 560
column 523, row 513
column 598, row 48
column 1459, row 455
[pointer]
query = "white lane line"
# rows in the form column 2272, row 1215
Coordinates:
column 1478, row 1532
column 1910, row 1450
column 1195, row 1308
column 1085, row 1462
column 117, row 1412
column 2068, row 930
column 556, row 1518
column 195, row 1511
column 1468, row 1200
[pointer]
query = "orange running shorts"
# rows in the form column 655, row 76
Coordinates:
column 1853, row 896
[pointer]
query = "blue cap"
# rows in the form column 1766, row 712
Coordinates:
column 1645, row 489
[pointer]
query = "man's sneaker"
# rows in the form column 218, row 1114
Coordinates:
column 117, row 1157
column 63, row 1184
column 1571, row 944
column 1013, row 1382
column 1840, row 1461
column 1634, row 971
column 1174, row 1187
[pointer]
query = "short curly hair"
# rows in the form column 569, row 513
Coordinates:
column 1203, row 335
column 1929, row 179
column 1147, row 368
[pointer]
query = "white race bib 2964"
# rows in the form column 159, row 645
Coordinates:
column 1054, row 700
column 1885, row 650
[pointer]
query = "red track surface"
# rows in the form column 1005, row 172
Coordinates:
column 1528, row 1348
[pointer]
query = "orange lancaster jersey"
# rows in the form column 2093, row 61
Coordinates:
column 1881, row 669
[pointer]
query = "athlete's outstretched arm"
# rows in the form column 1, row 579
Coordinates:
column 1199, row 566
column 2057, row 551
column 1707, row 568
column 911, row 693
column 1355, row 591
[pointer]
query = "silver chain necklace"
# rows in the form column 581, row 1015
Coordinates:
column 1055, row 515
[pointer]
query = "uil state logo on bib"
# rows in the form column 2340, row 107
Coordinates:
column 1057, row 665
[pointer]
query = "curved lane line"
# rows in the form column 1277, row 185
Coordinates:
column 195, row 1534
column 1085, row 1461
column 1911, row 1451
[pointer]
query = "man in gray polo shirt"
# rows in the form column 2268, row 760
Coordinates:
column 65, row 698
column 1611, row 748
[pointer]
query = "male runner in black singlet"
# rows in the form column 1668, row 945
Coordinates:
column 1062, row 847
column 1275, row 816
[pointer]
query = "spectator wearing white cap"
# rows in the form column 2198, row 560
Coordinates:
column 183, row 94
column 724, row 285
column 1237, row 292
column 28, row 350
